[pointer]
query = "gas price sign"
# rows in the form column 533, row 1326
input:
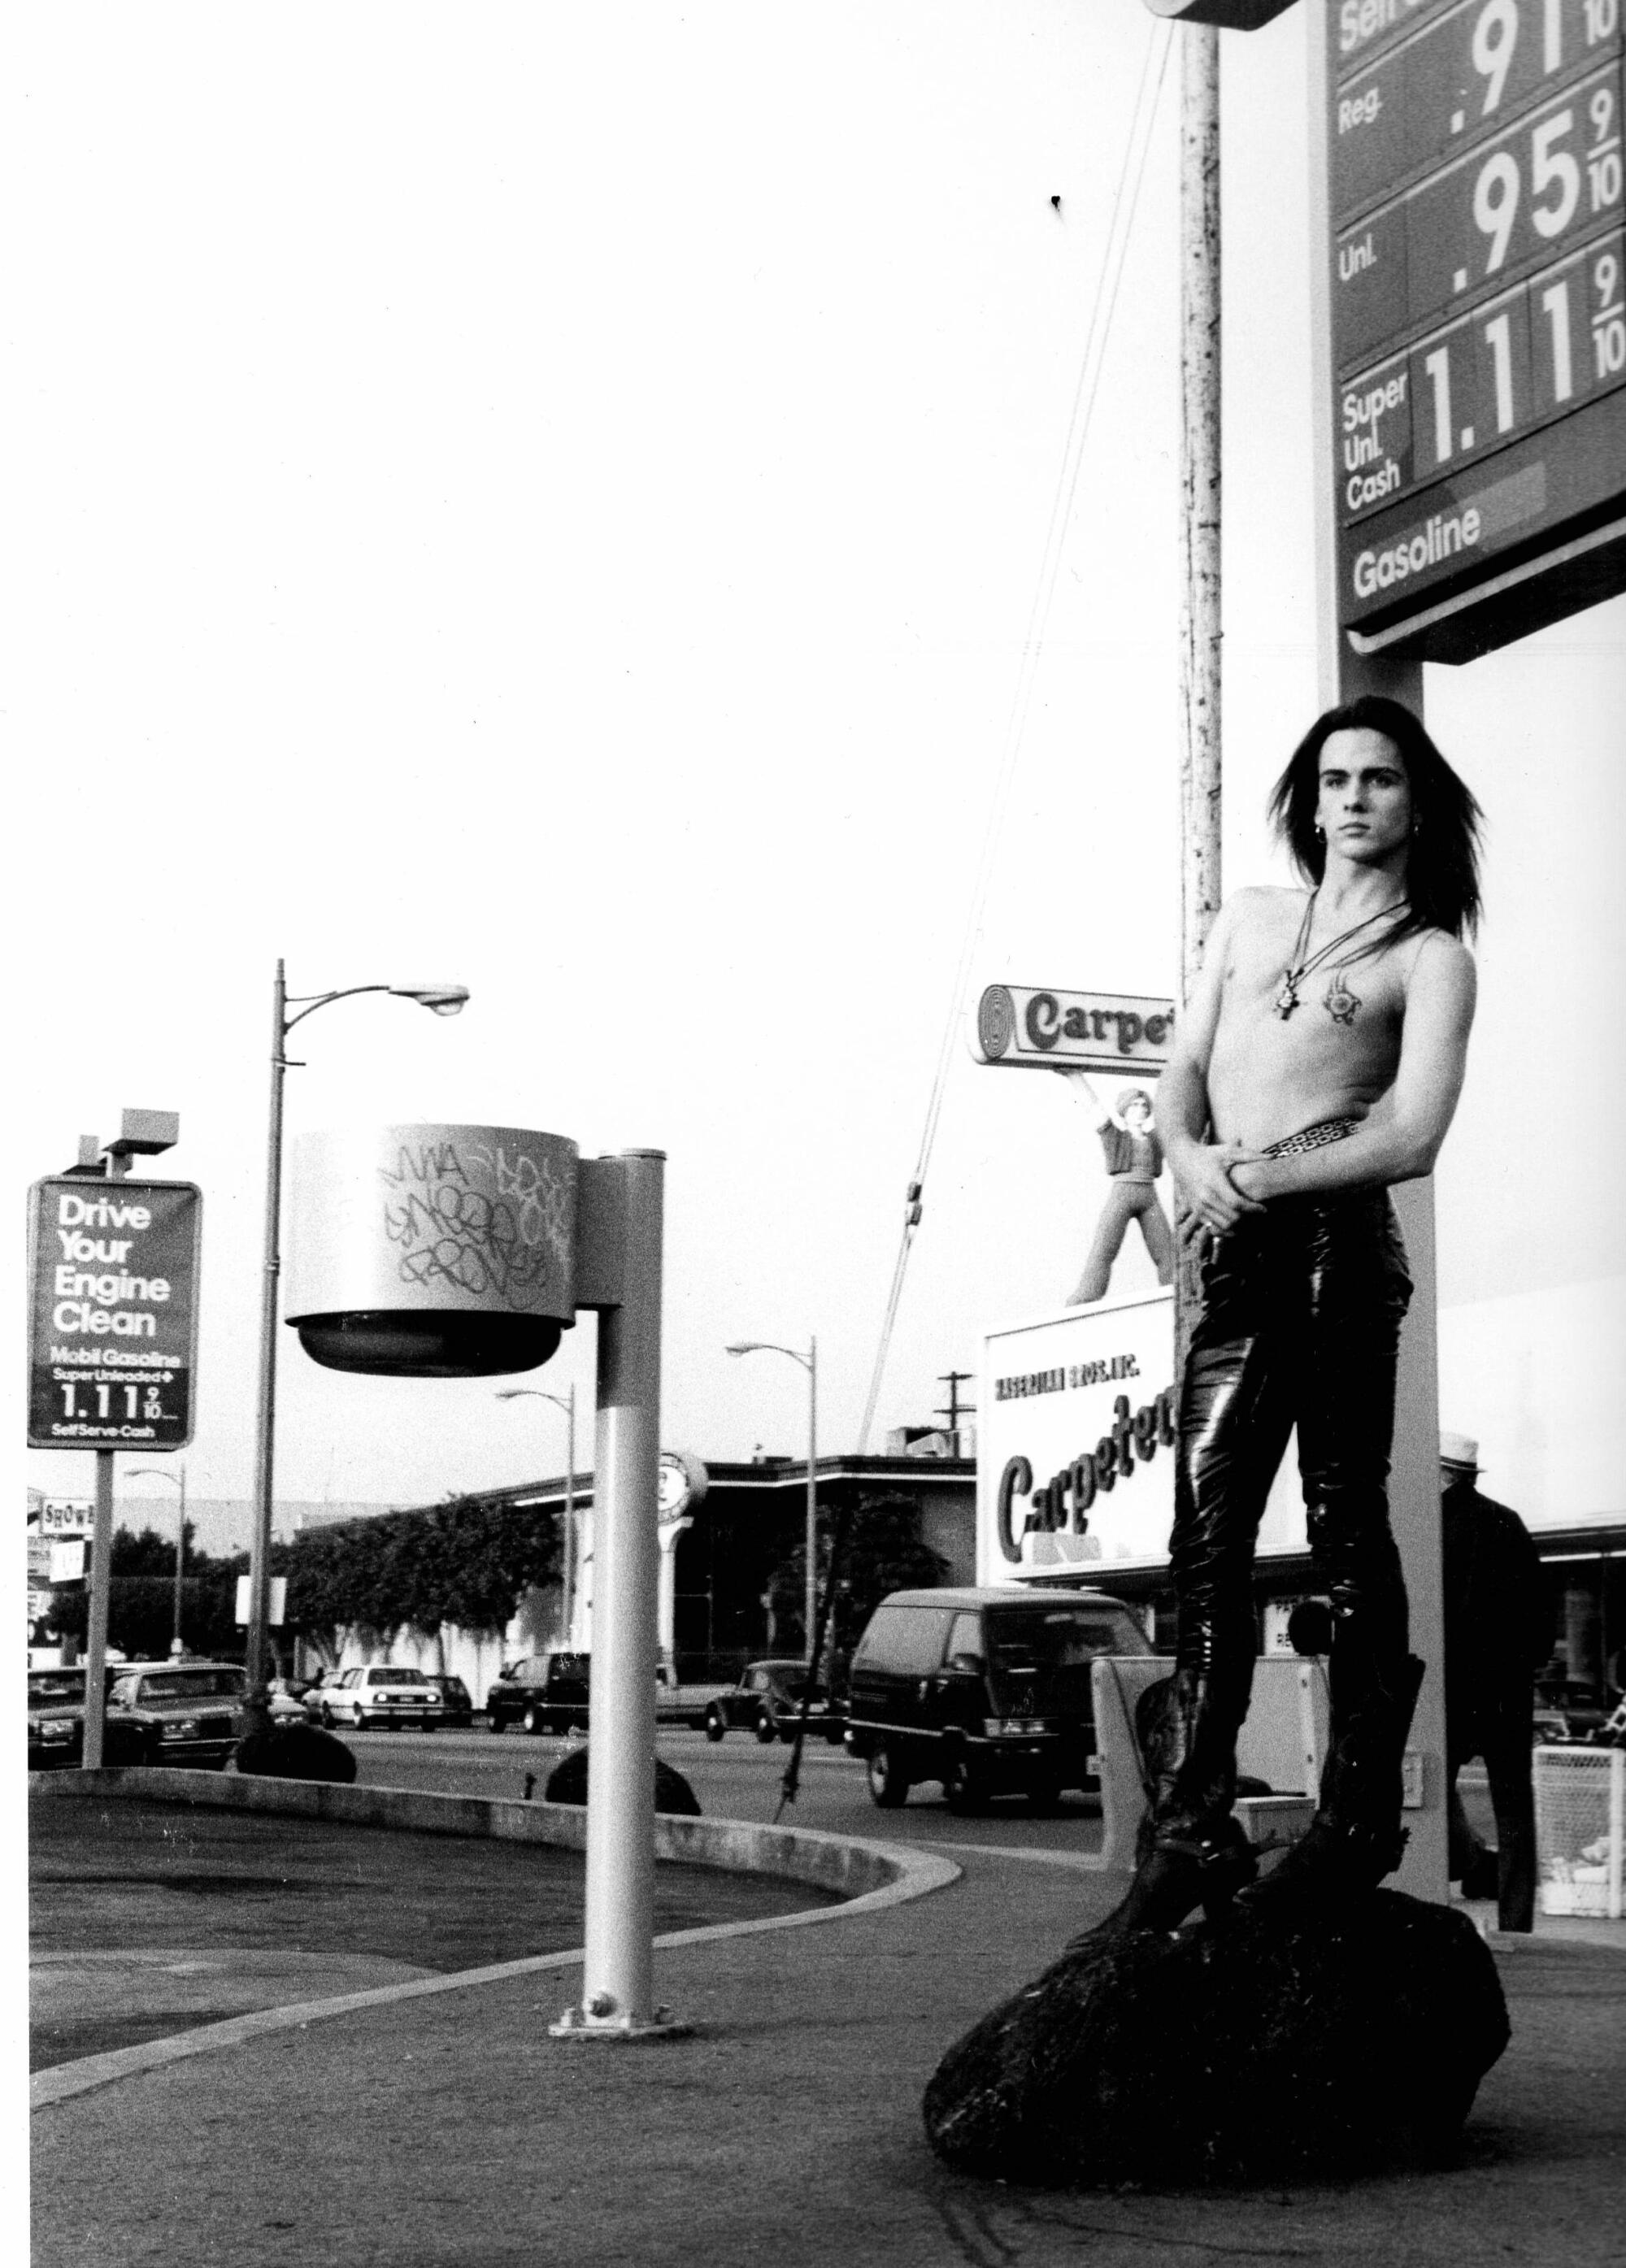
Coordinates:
column 112, row 1313
column 1478, row 289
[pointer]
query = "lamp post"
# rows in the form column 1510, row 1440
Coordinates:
column 443, row 1000
column 177, row 1479
column 810, row 1363
column 567, row 1402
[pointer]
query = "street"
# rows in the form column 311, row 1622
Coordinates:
column 738, row 1778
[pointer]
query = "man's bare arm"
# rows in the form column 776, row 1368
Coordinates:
column 1201, row 1169
column 1402, row 1138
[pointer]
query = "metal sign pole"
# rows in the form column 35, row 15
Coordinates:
column 95, row 1633
column 618, row 1970
column 102, row 1573
column 1344, row 674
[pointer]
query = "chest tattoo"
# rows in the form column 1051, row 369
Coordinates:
column 1341, row 1003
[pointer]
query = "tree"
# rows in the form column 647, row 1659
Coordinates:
column 467, row 1562
column 883, row 1552
column 141, row 1600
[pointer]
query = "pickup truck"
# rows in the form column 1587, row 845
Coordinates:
column 550, row 1693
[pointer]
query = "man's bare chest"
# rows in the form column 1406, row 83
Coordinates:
column 1324, row 995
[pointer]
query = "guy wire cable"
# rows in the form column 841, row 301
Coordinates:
column 1097, row 336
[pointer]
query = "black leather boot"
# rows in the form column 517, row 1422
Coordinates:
column 1355, row 1836
column 1189, row 1851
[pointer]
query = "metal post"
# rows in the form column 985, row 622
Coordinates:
column 618, row 1969
column 101, row 1576
column 812, row 1603
column 1342, row 675
column 568, row 1616
column 259, row 1549
column 95, row 1633
column 176, row 1645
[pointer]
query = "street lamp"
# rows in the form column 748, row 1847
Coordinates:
column 567, row 1402
column 177, row 1479
column 441, row 1000
column 810, row 1363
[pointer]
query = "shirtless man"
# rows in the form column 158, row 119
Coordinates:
column 1320, row 1063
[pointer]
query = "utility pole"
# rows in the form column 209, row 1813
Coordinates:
column 1199, row 533
column 1200, row 494
column 957, row 1408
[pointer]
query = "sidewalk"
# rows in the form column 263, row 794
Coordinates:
column 786, row 2130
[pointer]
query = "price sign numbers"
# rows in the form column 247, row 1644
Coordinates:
column 103, row 1398
column 1557, row 177
column 1463, row 76
column 1516, row 363
column 1478, row 200
column 1513, row 205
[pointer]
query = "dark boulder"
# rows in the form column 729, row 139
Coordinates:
column 295, row 1752
column 1258, row 2049
column 567, row 1783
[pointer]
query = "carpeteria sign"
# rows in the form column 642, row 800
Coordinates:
column 1035, row 1028
column 1075, row 1448
column 1075, row 1443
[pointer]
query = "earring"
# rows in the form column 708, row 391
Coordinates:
column 1322, row 831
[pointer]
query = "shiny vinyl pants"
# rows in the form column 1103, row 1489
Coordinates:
column 1299, row 1325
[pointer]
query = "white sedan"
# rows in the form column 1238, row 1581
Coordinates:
column 380, row 1695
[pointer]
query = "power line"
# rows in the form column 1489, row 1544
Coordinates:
column 1096, row 338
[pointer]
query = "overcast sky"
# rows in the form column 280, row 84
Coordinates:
column 551, row 499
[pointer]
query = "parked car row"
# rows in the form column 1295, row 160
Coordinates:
column 157, row 1712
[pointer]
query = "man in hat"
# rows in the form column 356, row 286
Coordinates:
column 1497, row 1637
column 1134, row 1157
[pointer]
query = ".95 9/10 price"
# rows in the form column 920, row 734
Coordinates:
column 1559, row 188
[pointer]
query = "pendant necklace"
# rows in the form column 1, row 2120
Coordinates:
column 1340, row 1002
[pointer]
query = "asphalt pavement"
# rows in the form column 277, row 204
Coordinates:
column 447, row 2125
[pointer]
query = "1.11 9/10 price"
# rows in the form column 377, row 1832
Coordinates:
column 1522, row 359
column 82, row 1399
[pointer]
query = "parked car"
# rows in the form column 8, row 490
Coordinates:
column 457, row 1701
column 380, row 1693
column 285, row 1696
column 545, row 1693
column 57, row 1724
column 988, row 1691
column 767, row 1701
column 191, row 1704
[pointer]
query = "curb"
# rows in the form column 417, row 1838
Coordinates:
column 869, row 1876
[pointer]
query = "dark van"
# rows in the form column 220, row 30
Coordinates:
column 986, row 1691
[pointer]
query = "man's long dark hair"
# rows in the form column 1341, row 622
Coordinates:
column 1442, row 865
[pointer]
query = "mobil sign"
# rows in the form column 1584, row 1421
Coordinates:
column 1076, row 1438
